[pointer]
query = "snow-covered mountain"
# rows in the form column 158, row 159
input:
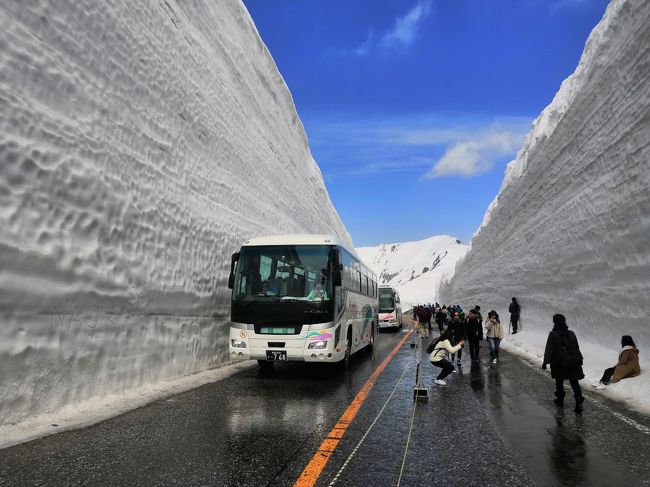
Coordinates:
column 140, row 144
column 569, row 231
column 415, row 269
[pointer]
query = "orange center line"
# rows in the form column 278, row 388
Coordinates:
column 315, row 467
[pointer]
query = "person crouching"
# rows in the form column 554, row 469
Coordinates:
column 438, row 357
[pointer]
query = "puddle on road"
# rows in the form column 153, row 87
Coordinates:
column 551, row 446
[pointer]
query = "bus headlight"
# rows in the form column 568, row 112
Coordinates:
column 238, row 343
column 317, row 345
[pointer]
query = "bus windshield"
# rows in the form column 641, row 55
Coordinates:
column 386, row 301
column 287, row 283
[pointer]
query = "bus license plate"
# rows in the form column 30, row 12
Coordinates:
column 276, row 355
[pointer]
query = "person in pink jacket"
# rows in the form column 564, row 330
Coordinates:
column 438, row 357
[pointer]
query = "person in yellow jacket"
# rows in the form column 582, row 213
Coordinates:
column 494, row 334
column 627, row 366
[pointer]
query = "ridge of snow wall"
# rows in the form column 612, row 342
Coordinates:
column 415, row 269
column 140, row 144
column 569, row 231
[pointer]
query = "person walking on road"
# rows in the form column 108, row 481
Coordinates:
column 424, row 315
column 458, row 334
column 494, row 334
column 441, row 317
column 474, row 332
column 514, row 310
column 438, row 357
column 627, row 366
column 563, row 354
column 477, row 310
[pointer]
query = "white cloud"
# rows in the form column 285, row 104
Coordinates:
column 428, row 144
column 385, row 167
column 364, row 48
column 472, row 157
column 405, row 29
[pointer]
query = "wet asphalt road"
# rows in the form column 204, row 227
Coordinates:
column 491, row 425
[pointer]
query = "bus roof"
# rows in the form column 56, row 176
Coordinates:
column 300, row 239
column 295, row 239
column 387, row 286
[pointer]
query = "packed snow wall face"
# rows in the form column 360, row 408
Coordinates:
column 140, row 144
column 569, row 231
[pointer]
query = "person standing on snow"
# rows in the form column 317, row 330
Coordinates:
column 438, row 357
column 514, row 311
column 474, row 332
column 563, row 354
column 494, row 334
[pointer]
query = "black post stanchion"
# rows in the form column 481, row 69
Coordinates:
column 419, row 393
column 413, row 329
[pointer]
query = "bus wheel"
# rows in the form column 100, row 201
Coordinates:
column 265, row 365
column 371, row 344
column 345, row 363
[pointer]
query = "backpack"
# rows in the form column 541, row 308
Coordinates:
column 432, row 345
column 567, row 354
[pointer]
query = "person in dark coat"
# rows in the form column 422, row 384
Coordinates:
column 474, row 332
column 457, row 328
column 441, row 318
column 514, row 311
column 424, row 317
column 563, row 354
column 477, row 310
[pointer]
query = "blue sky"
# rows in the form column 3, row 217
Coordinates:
column 413, row 108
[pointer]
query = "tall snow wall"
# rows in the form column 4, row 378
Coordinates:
column 140, row 144
column 569, row 231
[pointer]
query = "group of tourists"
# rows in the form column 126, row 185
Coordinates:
column 562, row 351
column 457, row 328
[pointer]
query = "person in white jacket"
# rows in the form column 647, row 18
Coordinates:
column 494, row 334
column 438, row 356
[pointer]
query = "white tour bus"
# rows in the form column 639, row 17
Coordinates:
column 390, row 308
column 300, row 298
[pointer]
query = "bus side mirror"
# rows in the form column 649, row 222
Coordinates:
column 336, row 275
column 231, row 278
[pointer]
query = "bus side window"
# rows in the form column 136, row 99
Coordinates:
column 348, row 270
